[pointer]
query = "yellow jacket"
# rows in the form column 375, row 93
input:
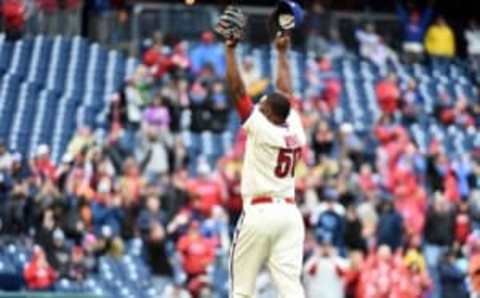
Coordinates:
column 413, row 257
column 440, row 41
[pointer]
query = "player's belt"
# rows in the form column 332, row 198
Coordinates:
column 269, row 200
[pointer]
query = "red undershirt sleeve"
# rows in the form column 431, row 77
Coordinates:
column 244, row 106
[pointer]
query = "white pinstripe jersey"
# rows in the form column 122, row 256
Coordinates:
column 271, row 155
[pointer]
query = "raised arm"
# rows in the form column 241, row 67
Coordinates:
column 284, row 79
column 427, row 15
column 242, row 101
column 402, row 13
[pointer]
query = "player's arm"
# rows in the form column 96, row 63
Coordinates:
column 242, row 101
column 284, row 79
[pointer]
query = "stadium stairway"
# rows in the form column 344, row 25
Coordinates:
column 51, row 85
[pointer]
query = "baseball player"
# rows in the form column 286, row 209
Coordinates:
column 270, row 231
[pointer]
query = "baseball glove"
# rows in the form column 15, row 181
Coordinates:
column 232, row 24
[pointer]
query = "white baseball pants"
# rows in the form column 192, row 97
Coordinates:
column 269, row 234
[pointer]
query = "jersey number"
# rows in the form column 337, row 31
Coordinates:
column 286, row 161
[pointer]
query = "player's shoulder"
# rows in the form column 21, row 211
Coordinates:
column 256, row 118
column 294, row 117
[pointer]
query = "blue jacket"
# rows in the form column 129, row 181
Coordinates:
column 390, row 230
column 414, row 32
column 330, row 228
column 208, row 53
column 452, row 281
column 107, row 216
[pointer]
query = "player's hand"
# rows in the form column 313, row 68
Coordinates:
column 282, row 42
column 231, row 43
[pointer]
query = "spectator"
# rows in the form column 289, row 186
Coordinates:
column 58, row 254
column 337, row 47
column 39, row 275
column 418, row 283
column 390, row 227
column 451, row 277
column 439, row 231
column 252, row 77
column 208, row 52
column 14, row 217
column 388, row 94
column 157, row 255
column 48, row 17
column 368, row 180
column 70, row 17
column 415, row 25
column 331, row 94
column 103, row 18
column 352, row 148
column 323, row 273
column 153, row 153
column 42, row 166
column 373, row 48
column 175, row 197
column 328, row 220
column 156, row 59
column 472, row 35
column 151, row 215
column 323, row 140
column 200, row 118
column 108, row 213
column 197, row 252
column 462, row 223
column 440, row 44
column 77, row 268
column 326, row 88
column 176, row 95
column 319, row 22
column 180, row 62
column 5, row 157
column 82, row 139
column 204, row 190
column 216, row 228
column 352, row 274
column 219, row 108
column 411, row 102
column 89, row 248
column 353, row 236
column 131, row 184
column 376, row 277
column 413, row 253
column 18, row 171
column 249, row 71
column 14, row 15
column 116, row 248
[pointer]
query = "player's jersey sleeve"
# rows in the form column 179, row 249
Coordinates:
column 244, row 107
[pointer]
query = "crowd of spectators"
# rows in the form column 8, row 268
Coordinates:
column 401, row 222
column 50, row 17
column 105, row 21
